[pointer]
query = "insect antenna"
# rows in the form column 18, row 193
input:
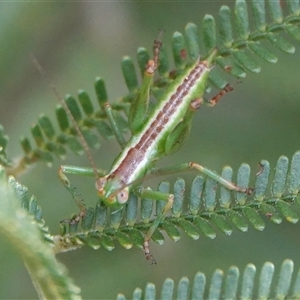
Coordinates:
column 66, row 108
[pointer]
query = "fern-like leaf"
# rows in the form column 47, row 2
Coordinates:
column 22, row 226
column 4, row 160
column 233, row 285
column 235, row 57
column 208, row 207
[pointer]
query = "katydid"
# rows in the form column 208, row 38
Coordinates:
column 154, row 135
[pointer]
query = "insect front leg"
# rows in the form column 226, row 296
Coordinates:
column 75, row 194
column 157, row 196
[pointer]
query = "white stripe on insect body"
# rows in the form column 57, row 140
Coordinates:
column 143, row 148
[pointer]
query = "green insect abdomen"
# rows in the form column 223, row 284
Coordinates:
column 144, row 147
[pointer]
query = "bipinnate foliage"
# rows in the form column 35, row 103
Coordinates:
column 4, row 161
column 29, row 233
column 199, row 210
column 232, row 286
column 238, row 44
column 21, row 224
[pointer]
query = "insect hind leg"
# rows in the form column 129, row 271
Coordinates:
column 139, row 107
column 224, row 182
column 190, row 166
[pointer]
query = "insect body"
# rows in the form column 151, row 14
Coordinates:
column 154, row 136
column 150, row 142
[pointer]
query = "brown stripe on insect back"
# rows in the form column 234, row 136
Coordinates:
column 136, row 154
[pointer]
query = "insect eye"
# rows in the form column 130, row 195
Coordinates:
column 123, row 196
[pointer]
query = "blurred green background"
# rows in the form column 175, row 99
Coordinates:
column 75, row 42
